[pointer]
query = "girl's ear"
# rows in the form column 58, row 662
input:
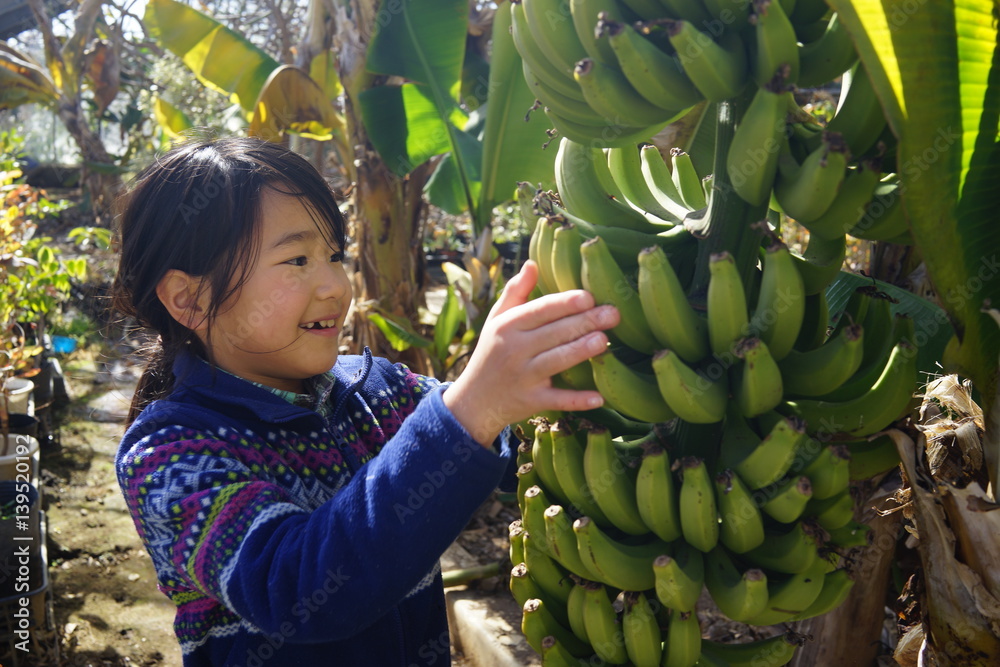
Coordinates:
column 184, row 298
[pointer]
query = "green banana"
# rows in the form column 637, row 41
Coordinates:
column 780, row 309
column 672, row 320
column 787, row 501
column 741, row 526
column 631, row 393
column 641, row 630
column 773, row 651
column 871, row 458
column 738, row 595
column 698, row 510
column 601, row 623
column 533, row 516
column 760, row 463
column 679, row 577
column 852, row 535
column 752, row 160
column 550, row 26
column 538, row 622
column 837, row 586
column 557, row 655
column 734, row 12
column 881, row 333
column 585, row 14
column 776, row 45
column 626, row 169
column 814, row 321
column 609, row 93
column 757, row 381
column 602, row 277
column 833, row 512
column 655, row 74
column 608, row 134
column 823, row 369
column 808, row 12
column 691, row 396
column 565, row 261
column 820, row 263
column 584, row 194
column 792, row 552
column 561, row 541
column 574, row 611
column 686, row 179
column 541, row 457
column 790, row 596
column 526, row 478
column 870, row 412
column 564, row 105
column 534, row 250
column 546, row 275
column 660, row 181
column 859, row 118
column 611, row 482
column 848, row 209
column 515, row 535
column 718, row 72
column 655, row 495
column 540, row 64
column 550, row 576
column 884, row 217
column 524, row 588
column 625, row 244
column 828, row 56
column 829, row 472
column 809, row 191
column 567, row 462
column 683, row 645
column 625, row 566
column 726, row 304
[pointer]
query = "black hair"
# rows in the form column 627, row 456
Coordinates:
column 197, row 209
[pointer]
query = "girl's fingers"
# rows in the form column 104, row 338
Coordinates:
column 574, row 327
column 570, row 400
column 558, row 358
column 517, row 290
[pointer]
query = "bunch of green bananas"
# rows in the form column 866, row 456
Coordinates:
column 761, row 521
column 735, row 415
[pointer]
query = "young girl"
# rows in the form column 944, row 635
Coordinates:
column 294, row 503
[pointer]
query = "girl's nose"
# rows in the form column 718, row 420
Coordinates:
column 333, row 281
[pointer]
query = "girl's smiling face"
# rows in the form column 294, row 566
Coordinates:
column 283, row 325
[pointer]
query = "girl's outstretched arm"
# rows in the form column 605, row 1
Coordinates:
column 522, row 345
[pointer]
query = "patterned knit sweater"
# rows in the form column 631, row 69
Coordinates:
column 287, row 539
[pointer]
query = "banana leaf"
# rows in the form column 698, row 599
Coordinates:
column 931, row 327
column 171, row 120
column 513, row 145
column 291, row 101
column 425, row 44
column 221, row 59
column 934, row 66
column 23, row 81
column 397, row 330
column 405, row 125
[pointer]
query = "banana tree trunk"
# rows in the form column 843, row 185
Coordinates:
column 386, row 208
column 100, row 180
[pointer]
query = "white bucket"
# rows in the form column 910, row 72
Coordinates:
column 19, row 457
column 18, row 392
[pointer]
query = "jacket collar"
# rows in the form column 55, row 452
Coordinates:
column 212, row 386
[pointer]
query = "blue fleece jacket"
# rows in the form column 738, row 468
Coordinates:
column 287, row 539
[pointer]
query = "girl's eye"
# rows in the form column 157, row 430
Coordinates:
column 337, row 257
column 297, row 261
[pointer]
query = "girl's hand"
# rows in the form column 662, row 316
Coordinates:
column 522, row 345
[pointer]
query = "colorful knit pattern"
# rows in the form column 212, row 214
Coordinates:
column 197, row 493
